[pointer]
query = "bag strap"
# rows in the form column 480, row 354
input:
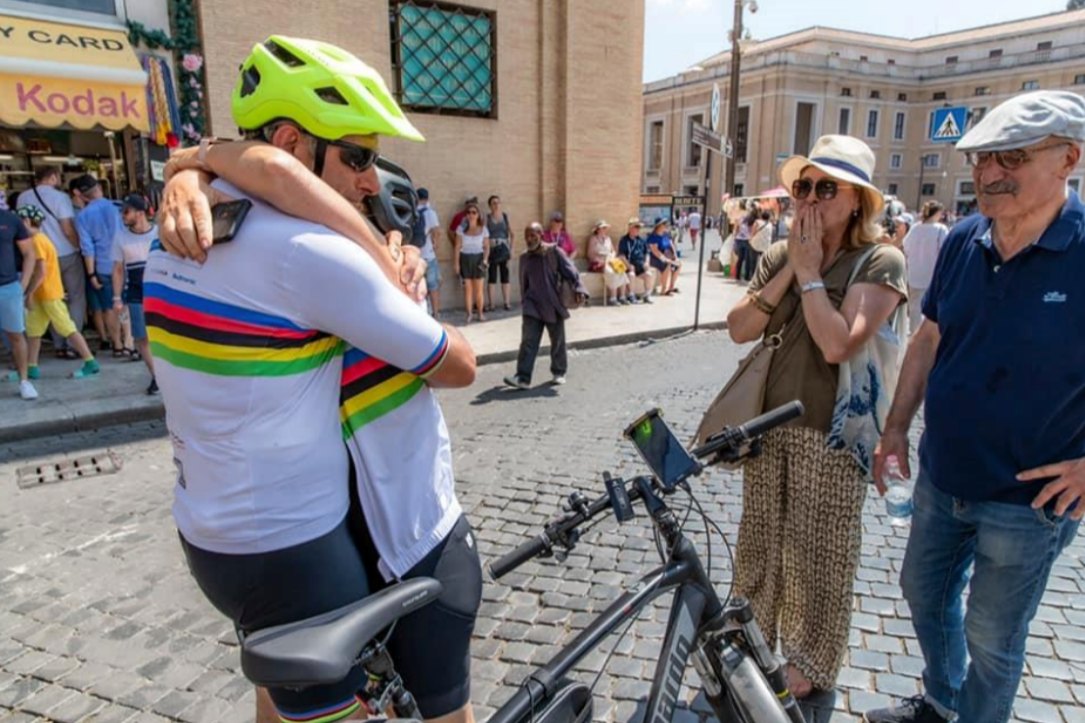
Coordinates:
column 42, row 202
column 859, row 265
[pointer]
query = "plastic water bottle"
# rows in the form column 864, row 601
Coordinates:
column 898, row 494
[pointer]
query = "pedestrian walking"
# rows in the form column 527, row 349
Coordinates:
column 543, row 268
column 824, row 299
column 60, row 229
column 46, row 305
column 694, row 223
column 1001, row 481
column 17, row 262
column 921, row 247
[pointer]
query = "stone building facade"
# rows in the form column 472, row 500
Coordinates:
column 881, row 89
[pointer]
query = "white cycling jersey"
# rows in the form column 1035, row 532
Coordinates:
column 248, row 354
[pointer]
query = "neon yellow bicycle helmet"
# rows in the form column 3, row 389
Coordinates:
column 327, row 91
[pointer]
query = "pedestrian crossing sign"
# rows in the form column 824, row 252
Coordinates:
column 947, row 124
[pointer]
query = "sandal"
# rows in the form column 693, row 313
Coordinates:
column 66, row 353
column 134, row 355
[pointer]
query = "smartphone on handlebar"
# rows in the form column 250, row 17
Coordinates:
column 662, row 452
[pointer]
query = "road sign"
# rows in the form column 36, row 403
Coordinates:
column 947, row 125
column 715, row 108
column 702, row 136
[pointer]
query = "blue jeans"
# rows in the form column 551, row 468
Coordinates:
column 974, row 655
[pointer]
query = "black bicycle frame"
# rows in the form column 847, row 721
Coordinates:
column 695, row 604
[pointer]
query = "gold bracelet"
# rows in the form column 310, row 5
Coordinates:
column 763, row 306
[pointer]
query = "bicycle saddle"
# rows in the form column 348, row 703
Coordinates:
column 322, row 649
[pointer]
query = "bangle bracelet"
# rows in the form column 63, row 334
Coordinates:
column 761, row 305
column 812, row 286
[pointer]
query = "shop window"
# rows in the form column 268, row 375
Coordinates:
column 103, row 7
column 444, row 58
column 928, row 189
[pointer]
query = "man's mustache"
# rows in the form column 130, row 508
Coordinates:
column 999, row 187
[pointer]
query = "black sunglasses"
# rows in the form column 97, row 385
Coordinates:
column 825, row 189
column 357, row 158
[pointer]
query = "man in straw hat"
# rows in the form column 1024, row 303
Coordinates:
column 998, row 362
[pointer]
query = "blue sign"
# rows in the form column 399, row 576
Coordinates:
column 947, row 126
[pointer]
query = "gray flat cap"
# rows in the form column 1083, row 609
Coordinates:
column 1027, row 119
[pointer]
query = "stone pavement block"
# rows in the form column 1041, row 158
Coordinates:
column 18, row 691
column 1036, row 712
column 869, row 660
column 115, row 685
column 76, row 708
column 896, row 685
column 1068, row 650
column 1073, row 713
column 29, row 661
column 860, row 701
column 854, row 678
column 113, row 713
column 144, row 696
column 48, row 696
column 17, row 716
column 883, row 644
column 1048, row 668
column 1049, row 690
column 206, row 709
column 907, row 665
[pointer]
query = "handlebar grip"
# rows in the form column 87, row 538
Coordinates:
column 512, row 560
column 772, row 419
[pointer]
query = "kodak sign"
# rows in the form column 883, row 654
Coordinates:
column 83, row 104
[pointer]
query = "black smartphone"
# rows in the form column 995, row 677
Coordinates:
column 226, row 219
column 661, row 450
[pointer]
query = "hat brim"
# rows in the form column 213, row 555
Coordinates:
column 791, row 169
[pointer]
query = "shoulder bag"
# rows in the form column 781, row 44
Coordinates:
column 761, row 240
column 566, row 290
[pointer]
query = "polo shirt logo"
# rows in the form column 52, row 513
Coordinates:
column 1054, row 297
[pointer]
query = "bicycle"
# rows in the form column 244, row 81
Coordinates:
column 742, row 679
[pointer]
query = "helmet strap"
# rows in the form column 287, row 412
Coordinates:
column 321, row 153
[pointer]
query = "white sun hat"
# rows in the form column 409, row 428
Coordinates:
column 845, row 158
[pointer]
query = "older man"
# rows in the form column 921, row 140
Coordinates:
column 1002, row 464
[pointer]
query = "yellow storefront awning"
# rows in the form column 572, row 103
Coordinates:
column 54, row 74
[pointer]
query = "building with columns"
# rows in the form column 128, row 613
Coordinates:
column 881, row 89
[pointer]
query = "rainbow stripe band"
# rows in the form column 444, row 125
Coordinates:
column 216, row 338
column 330, row 714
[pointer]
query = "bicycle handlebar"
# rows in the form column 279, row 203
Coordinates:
column 557, row 533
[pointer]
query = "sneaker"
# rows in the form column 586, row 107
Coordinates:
column 27, row 390
column 632, row 299
column 33, row 372
column 646, row 299
column 90, row 368
column 558, row 380
column 516, row 382
column 910, row 710
column 153, row 388
column 621, row 302
column 613, row 302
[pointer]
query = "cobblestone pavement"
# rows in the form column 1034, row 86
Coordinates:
column 99, row 620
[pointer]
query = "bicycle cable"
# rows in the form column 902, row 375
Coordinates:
column 614, row 648
column 726, row 546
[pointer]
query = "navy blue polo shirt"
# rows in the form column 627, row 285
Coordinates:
column 1007, row 391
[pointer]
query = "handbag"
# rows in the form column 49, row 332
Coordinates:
column 499, row 252
column 743, row 396
column 761, row 240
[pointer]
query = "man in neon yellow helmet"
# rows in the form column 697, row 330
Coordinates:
column 260, row 392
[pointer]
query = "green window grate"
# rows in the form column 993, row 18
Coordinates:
column 443, row 58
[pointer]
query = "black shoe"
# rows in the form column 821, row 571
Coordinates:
column 910, row 710
column 153, row 388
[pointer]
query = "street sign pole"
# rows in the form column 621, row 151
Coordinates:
column 704, row 237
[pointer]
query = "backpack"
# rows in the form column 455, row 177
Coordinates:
column 418, row 230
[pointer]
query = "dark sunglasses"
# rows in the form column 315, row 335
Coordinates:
column 825, row 189
column 1011, row 160
column 357, row 158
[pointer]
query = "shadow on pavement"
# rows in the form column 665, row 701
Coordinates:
column 507, row 394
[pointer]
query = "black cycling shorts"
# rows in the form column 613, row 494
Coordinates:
column 431, row 647
column 262, row 590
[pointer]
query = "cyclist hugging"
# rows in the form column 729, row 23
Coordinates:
column 313, row 461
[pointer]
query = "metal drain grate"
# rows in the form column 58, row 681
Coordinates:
column 91, row 465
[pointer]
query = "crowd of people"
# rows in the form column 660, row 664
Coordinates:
column 64, row 256
column 288, row 411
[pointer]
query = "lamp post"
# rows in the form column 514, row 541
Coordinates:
column 732, row 95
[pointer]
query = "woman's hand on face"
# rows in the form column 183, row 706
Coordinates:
column 804, row 251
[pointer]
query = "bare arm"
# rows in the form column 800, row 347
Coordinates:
column 459, row 366
column 68, row 227
column 36, row 277
column 840, row 334
column 746, row 322
column 118, row 284
column 30, row 261
column 274, row 175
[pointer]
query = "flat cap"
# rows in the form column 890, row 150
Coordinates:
column 1027, row 119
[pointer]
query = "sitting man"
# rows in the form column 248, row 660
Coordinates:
column 633, row 250
column 260, row 392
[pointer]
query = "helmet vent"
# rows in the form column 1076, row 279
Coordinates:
column 331, row 95
column 250, row 79
column 283, row 55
